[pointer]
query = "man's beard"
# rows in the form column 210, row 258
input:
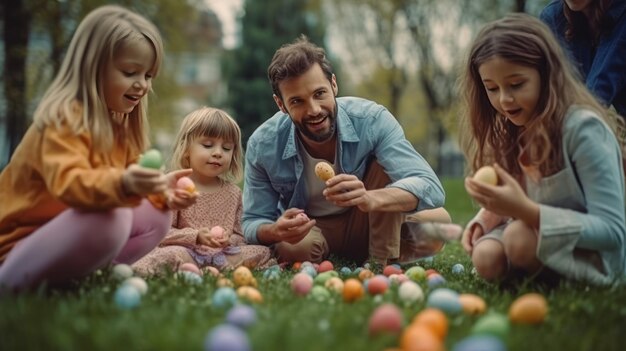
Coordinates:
column 306, row 132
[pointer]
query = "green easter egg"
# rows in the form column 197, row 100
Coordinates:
column 494, row 324
column 151, row 159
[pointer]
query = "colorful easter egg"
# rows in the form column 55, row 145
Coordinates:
column 458, row 268
column 301, row 284
column 492, row 324
column 418, row 337
column 138, row 283
column 444, row 299
column 365, row 274
column 352, row 290
column 127, row 297
column 410, row 292
column 435, row 320
column 325, row 266
column 528, row 309
column 224, row 297
column 190, row 267
column 121, row 271
column 377, row 285
column 242, row 316
column 480, row 343
column 186, row 184
column 250, row 294
column 226, row 337
column 416, row 273
column 334, row 284
column 386, row 318
column 324, row 171
column 392, row 269
column 242, row 276
column 151, row 159
column 472, row 304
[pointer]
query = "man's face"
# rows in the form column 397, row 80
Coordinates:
column 310, row 102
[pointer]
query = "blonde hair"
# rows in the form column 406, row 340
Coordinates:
column 523, row 40
column 78, row 86
column 209, row 123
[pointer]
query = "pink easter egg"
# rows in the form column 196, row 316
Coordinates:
column 186, row 184
column 387, row 318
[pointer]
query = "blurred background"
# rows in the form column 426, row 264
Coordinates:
column 403, row 54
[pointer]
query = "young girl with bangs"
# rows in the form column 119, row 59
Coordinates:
column 209, row 232
column 73, row 198
column 558, row 206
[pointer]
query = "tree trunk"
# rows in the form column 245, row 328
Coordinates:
column 16, row 30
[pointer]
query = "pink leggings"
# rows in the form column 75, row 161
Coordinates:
column 75, row 243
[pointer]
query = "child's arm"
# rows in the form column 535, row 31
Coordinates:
column 237, row 238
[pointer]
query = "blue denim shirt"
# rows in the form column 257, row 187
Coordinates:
column 603, row 67
column 273, row 175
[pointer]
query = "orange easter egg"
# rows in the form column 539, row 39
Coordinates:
column 435, row 320
column 472, row 304
column 418, row 337
column 529, row 309
column 352, row 290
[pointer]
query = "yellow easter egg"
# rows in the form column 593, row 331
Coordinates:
column 243, row 277
column 487, row 175
column 472, row 304
column 249, row 293
column 530, row 308
column 324, row 171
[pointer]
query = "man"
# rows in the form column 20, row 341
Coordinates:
column 380, row 177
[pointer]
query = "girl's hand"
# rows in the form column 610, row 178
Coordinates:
column 470, row 235
column 142, row 181
column 213, row 238
column 178, row 199
column 505, row 199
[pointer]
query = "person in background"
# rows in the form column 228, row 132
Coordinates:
column 594, row 34
column 73, row 196
column 209, row 232
column 379, row 177
column 559, row 204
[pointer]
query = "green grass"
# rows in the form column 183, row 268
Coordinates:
column 177, row 316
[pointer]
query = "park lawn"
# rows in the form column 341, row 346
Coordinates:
column 175, row 315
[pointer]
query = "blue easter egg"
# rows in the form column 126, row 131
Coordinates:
column 345, row 271
column 224, row 297
column 271, row 274
column 444, row 299
column 435, row 280
column 310, row 270
column 480, row 343
column 226, row 338
column 189, row 277
column 458, row 268
column 127, row 297
column 241, row 316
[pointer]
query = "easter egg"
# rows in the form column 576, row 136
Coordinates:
column 127, row 297
column 458, row 268
column 301, row 284
column 224, row 297
column 242, row 276
column 242, row 316
column 392, row 269
column 122, row 271
column 226, row 337
column 410, row 292
column 320, row 293
column 386, row 318
column 324, row 276
column 224, row 283
column 528, row 309
column 352, row 290
column 151, row 159
column 435, row 280
column 444, row 299
column 365, row 274
column 435, row 320
column 416, row 273
column 138, row 283
column 271, row 274
column 325, row 266
column 324, row 171
column 487, row 175
column 480, row 343
column 190, row 267
column 345, row 271
column 472, row 304
column 377, row 285
column 186, row 184
column 189, row 277
column 494, row 324
column 212, row 271
column 334, row 284
column 250, row 294
column 398, row 278
column 418, row 337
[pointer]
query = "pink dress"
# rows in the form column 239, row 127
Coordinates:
column 222, row 208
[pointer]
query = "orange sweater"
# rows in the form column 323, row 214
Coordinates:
column 54, row 169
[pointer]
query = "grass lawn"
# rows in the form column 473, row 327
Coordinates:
column 175, row 315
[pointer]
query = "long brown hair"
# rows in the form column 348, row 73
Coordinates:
column 523, row 40
column 579, row 24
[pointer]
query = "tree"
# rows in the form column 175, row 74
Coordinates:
column 265, row 27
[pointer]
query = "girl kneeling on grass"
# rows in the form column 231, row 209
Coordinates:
column 209, row 142
column 73, row 198
column 560, row 199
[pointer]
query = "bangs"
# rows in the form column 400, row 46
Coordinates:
column 219, row 126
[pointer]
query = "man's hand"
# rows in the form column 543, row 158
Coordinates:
column 346, row 190
column 291, row 227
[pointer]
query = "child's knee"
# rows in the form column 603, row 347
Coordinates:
column 110, row 231
column 489, row 259
column 520, row 244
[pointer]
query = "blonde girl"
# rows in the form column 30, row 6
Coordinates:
column 209, row 232
column 73, row 197
column 559, row 203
